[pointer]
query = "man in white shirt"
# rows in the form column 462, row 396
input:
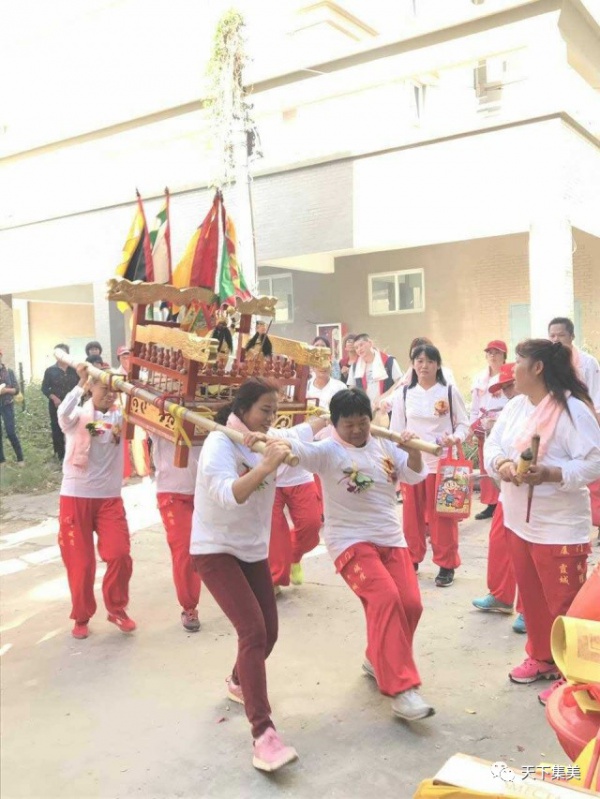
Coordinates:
column 562, row 329
column 322, row 386
column 374, row 371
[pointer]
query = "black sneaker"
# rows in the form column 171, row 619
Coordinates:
column 486, row 514
column 444, row 578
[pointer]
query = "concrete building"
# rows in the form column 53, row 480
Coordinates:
column 429, row 167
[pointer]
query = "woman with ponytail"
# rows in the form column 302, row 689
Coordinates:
column 235, row 489
column 435, row 411
column 550, row 551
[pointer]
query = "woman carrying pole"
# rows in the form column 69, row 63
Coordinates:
column 364, row 538
column 90, row 501
column 549, row 551
column 231, row 525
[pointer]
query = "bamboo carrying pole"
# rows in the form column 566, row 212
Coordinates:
column 413, row 443
column 535, row 448
column 176, row 411
column 179, row 412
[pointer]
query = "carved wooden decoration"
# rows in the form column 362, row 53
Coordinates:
column 196, row 348
column 140, row 293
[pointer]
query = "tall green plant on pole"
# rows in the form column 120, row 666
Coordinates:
column 232, row 128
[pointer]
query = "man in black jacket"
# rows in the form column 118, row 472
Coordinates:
column 9, row 388
column 58, row 381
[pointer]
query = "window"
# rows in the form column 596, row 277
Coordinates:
column 397, row 292
column 279, row 286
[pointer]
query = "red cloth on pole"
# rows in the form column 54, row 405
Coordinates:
column 548, row 577
column 176, row 511
column 79, row 518
column 419, row 506
column 489, row 491
column 384, row 580
column 288, row 545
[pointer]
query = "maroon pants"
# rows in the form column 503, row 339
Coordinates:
column 244, row 592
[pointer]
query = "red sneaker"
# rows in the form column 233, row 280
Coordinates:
column 270, row 753
column 123, row 622
column 544, row 695
column 531, row 670
column 80, row 629
column 190, row 620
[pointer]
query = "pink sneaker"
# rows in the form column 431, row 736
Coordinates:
column 544, row 695
column 123, row 622
column 234, row 691
column 531, row 670
column 80, row 629
column 270, row 753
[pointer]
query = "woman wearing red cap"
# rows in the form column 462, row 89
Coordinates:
column 485, row 408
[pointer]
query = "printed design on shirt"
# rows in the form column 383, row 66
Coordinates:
column 356, row 481
column 96, row 429
column 441, row 408
column 389, row 467
column 246, row 469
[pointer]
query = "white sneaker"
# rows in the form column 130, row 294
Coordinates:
column 411, row 706
column 367, row 667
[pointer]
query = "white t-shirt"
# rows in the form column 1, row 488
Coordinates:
column 427, row 414
column 104, row 474
column 484, row 403
column 589, row 372
column 560, row 512
column 324, row 394
column 219, row 523
column 289, row 476
column 353, row 515
column 171, row 479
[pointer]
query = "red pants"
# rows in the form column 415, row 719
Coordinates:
column 501, row 579
column 79, row 518
column 595, row 500
column 418, row 510
column 384, row 580
column 489, row 491
column 549, row 577
column 176, row 511
column 287, row 545
column 244, row 592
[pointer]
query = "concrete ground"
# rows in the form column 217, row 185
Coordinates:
column 146, row 716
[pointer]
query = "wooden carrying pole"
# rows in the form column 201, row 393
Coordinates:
column 176, row 411
column 413, row 443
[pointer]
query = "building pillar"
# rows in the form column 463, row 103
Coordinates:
column 551, row 287
column 109, row 324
